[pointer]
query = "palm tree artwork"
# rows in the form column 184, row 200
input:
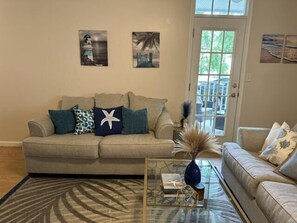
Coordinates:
column 146, row 49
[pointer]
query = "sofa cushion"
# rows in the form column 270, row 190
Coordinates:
column 63, row 120
column 249, row 169
column 134, row 122
column 278, row 151
column 278, row 201
column 63, row 146
column 84, row 121
column 83, row 102
column 154, row 107
column 111, row 100
column 108, row 121
column 135, row 146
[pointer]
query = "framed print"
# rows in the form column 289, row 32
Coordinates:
column 272, row 48
column 290, row 51
column 146, row 49
column 93, row 48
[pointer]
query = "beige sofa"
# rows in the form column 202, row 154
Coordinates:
column 265, row 196
column 47, row 152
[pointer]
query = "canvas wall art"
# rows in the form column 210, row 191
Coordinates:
column 146, row 49
column 93, row 48
column 290, row 51
column 272, row 48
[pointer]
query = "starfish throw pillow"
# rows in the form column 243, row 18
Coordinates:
column 108, row 121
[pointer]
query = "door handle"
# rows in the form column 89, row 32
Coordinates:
column 232, row 95
column 234, row 85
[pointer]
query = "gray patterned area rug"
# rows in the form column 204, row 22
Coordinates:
column 71, row 200
column 74, row 200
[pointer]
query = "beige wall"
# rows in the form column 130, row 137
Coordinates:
column 39, row 54
column 39, row 57
column 271, row 95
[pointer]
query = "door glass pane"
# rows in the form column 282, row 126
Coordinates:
column 204, row 63
column 215, row 65
column 214, row 80
column 228, row 41
column 206, row 41
column 226, row 64
column 217, row 43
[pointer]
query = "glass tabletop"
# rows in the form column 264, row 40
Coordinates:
column 184, row 205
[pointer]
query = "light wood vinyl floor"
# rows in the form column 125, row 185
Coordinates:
column 12, row 168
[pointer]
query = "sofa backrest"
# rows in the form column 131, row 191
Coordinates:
column 154, row 107
column 83, row 102
column 111, row 100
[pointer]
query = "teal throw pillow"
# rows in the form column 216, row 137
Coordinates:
column 134, row 122
column 63, row 120
column 84, row 121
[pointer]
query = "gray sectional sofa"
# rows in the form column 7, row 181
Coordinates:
column 264, row 194
column 47, row 152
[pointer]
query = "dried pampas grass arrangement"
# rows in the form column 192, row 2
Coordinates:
column 195, row 142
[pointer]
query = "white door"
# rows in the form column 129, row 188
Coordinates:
column 215, row 73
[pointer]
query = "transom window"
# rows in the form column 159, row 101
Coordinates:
column 221, row 7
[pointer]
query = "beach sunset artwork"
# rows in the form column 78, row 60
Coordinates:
column 290, row 52
column 272, row 48
column 93, row 48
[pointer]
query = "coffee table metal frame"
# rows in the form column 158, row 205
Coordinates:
column 183, row 163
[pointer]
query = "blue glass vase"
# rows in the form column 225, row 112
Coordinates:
column 192, row 174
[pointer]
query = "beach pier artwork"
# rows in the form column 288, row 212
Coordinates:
column 272, row 48
column 93, row 48
column 146, row 53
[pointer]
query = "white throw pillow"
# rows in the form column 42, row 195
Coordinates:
column 285, row 143
column 271, row 136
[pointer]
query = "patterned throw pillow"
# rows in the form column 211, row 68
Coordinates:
column 278, row 151
column 84, row 121
column 108, row 121
column 271, row 136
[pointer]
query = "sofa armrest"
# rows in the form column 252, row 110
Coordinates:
column 252, row 139
column 164, row 126
column 41, row 127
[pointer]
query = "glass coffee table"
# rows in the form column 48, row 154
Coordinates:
column 217, row 204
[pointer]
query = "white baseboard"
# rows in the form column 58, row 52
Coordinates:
column 10, row 144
